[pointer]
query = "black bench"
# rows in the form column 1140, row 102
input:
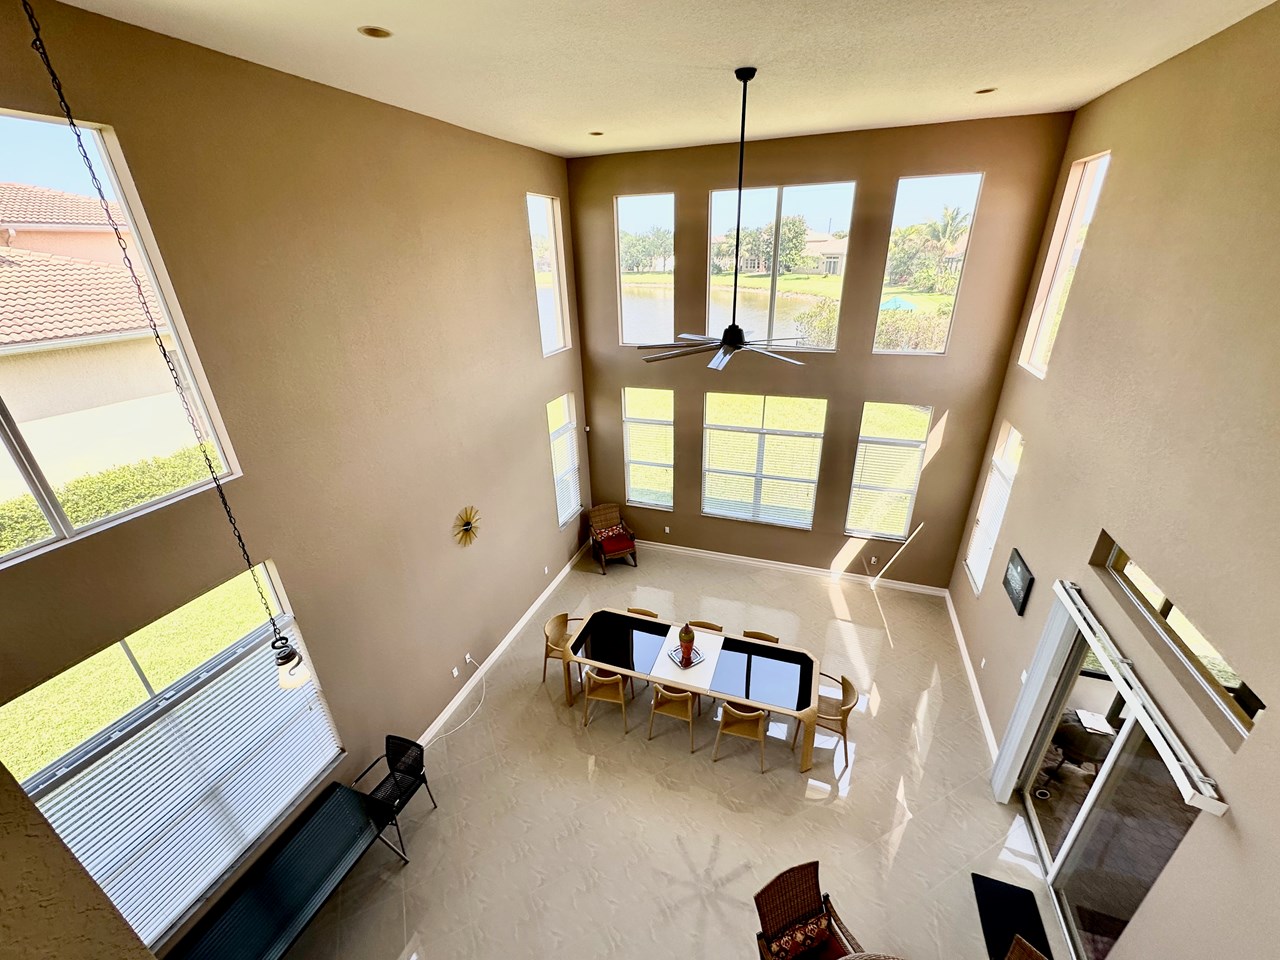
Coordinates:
column 267, row 908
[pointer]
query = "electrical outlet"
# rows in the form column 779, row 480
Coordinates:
column 983, row 664
column 471, row 660
column 546, row 570
column 1024, row 676
column 874, row 561
column 455, row 673
column 666, row 529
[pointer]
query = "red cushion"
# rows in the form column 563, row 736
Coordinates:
column 809, row 938
column 621, row 544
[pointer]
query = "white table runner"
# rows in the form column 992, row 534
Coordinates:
column 697, row 677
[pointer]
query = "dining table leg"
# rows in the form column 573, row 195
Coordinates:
column 806, row 750
column 568, row 683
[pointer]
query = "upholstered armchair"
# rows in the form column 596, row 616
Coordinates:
column 610, row 536
column 796, row 916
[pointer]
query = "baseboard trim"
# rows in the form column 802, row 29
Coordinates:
column 498, row 651
column 797, row 568
column 973, row 681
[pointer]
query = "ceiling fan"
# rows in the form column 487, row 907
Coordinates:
column 734, row 338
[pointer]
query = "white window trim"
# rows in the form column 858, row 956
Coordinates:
column 773, row 277
column 151, row 265
column 912, row 491
column 955, row 305
column 627, row 460
column 1073, row 195
column 758, row 474
column 562, row 293
column 617, row 264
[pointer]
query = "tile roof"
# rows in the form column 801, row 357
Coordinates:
column 23, row 203
column 45, row 298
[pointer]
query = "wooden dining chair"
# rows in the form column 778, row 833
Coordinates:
column 833, row 714
column 607, row 688
column 707, row 625
column 642, row 612
column 740, row 722
column 674, row 703
column 556, row 634
column 760, row 635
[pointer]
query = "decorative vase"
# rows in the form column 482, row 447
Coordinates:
column 686, row 646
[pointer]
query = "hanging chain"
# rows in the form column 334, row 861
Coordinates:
column 279, row 641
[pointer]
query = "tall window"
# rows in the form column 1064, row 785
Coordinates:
column 886, row 470
column 1080, row 200
column 562, row 424
column 165, row 757
column 760, row 457
column 932, row 222
column 796, row 294
column 1209, row 667
column 646, row 267
column 648, row 439
column 995, row 498
column 546, row 239
column 91, row 427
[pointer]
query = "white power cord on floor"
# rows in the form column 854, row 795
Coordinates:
column 483, row 686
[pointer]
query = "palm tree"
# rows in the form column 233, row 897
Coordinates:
column 950, row 230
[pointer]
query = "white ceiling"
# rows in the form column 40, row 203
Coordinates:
column 658, row 73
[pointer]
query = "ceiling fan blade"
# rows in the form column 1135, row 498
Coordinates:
column 698, row 336
column 685, row 351
column 661, row 346
column 722, row 358
column 776, row 356
column 778, row 340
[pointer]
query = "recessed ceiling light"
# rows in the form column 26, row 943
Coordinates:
column 986, row 90
column 596, row 133
column 377, row 33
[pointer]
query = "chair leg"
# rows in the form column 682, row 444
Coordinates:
column 398, row 851
column 586, row 705
column 715, row 751
column 762, row 754
column 691, row 734
column 545, row 658
column 624, row 716
column 844, row 735
column 796, row 735
column 434, row 805
column 634, row 561
column 652, row 709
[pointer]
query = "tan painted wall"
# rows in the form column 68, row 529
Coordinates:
column 372, row 381
column 1019, row 156
column 50, row 908
column 1157, row 421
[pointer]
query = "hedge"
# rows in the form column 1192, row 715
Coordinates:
column 103, row 494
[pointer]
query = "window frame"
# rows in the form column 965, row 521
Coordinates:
column 914, row 492
column 627, row 461
column 1115, row 562
column 955, row 304
column 759, row 476
column 149, row 263
column 569, row 427
column 617, row 260
column 560, row 272
column 1000, row 470
column 1074, row 194
column 781, row 189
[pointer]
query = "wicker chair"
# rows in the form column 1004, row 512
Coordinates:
column 405, row 774
column 833, row 714
column 555, row 633
column 610, row 536
column 793, row 897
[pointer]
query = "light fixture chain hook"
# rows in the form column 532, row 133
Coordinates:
column 279, row 641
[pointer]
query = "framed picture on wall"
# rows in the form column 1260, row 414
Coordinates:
column 1017, row 581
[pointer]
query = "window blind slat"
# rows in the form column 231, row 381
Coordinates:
column 986, row 526
column 563, row 428
column 158, row 819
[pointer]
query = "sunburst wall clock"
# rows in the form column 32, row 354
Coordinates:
column 466, row 525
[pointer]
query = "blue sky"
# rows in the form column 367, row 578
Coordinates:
column 45, row 154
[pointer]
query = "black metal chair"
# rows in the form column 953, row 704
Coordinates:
column 406, row 772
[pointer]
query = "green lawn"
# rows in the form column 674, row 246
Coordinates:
column 45, row 723
column 821, row 285
column 922, row 301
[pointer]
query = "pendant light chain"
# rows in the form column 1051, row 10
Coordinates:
column 279, row 641
column 737, row 235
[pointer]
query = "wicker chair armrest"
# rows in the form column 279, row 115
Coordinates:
column 365, row 773
column 764, row 947
column 849, row 939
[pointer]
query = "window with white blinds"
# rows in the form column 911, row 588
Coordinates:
column 886, row 470
column 648, row 441
column 160, row 804
column 760, row 457
column 991, row 508
column 562, row 424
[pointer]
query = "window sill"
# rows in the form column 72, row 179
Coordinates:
column 868, row 535
column 973, row 581
column 651, row 506
column 764, row 523
column 559, row 350
column 908, row 353
column 1038, row 374
column 47, row 546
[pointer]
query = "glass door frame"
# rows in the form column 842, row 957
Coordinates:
column 1046, row 686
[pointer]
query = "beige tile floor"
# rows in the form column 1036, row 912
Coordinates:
column 555, row 841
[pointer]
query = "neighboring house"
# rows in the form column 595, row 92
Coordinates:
column 81, row 373
column 954, row 259
column 824, row 254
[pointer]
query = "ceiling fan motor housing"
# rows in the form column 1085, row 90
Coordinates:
column 733, row 337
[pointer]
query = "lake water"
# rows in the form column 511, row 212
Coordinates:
column 648, row 311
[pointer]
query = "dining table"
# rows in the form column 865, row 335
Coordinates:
column 752, row 674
